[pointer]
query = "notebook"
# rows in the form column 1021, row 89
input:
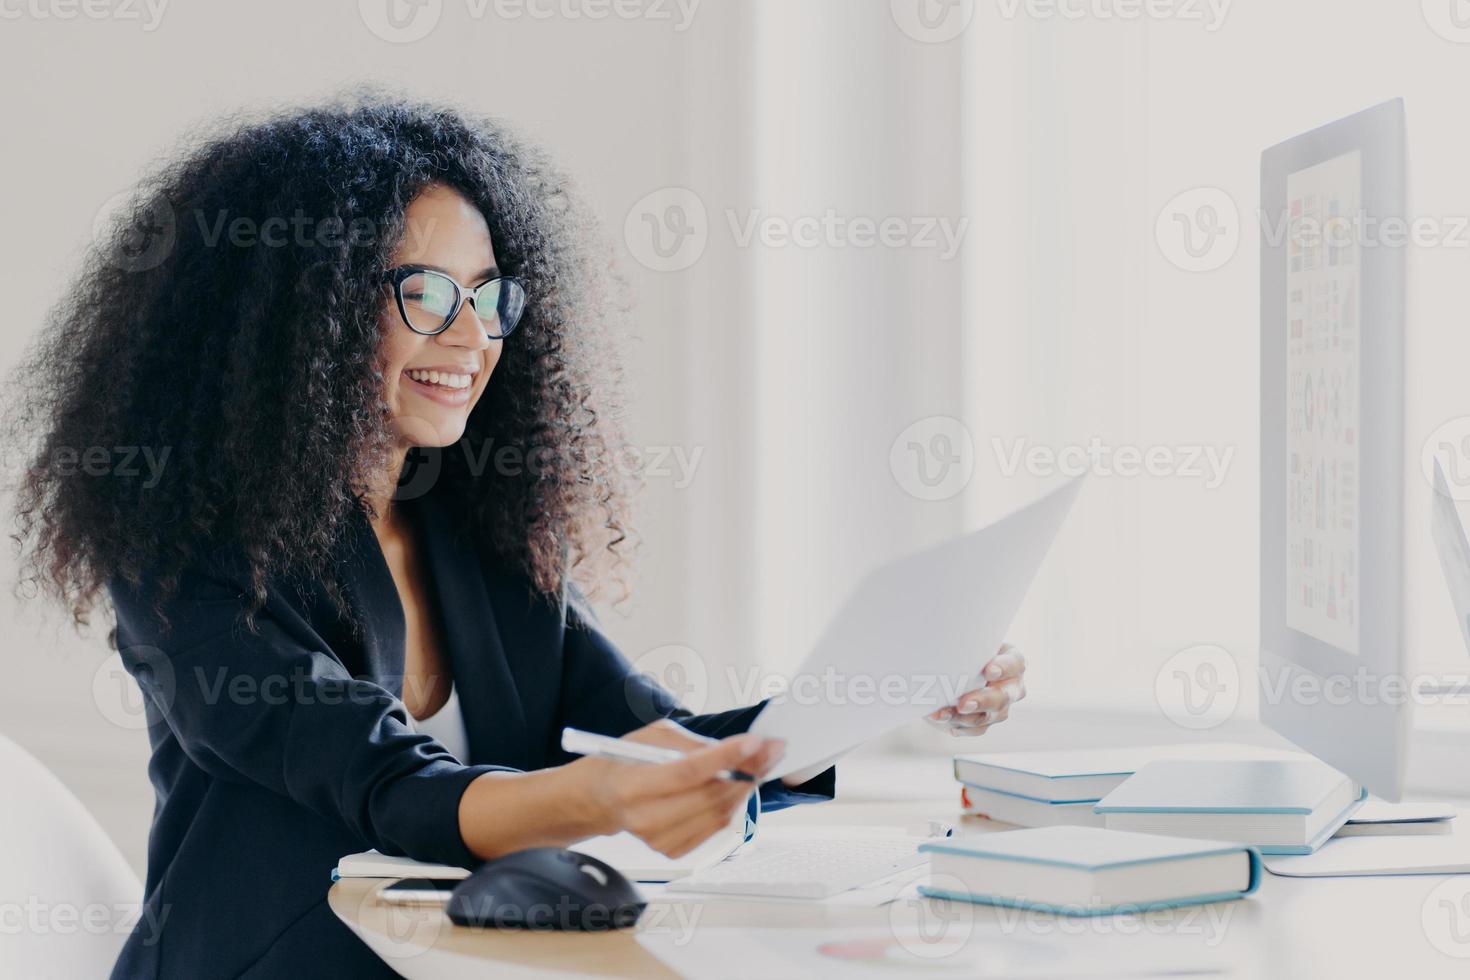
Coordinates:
column 1278, row 806
column 1379, row 818
column 373, row 864
column 1443, row 853
column 1089, row 870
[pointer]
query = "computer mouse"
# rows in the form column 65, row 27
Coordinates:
column 546, row 888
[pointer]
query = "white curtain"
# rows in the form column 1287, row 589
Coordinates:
column 821, row 121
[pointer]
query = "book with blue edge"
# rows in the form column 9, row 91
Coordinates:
column 1051, row 776
column 1084, row 871
column 1025, row 812
column 1278, row 806
column 1058, row 787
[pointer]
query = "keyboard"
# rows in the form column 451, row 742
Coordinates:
column 808, row 869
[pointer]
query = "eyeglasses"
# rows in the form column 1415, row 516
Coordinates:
column 429, row 300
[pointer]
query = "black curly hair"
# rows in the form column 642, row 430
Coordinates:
column 231, row 319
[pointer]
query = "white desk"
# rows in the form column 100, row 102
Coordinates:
column 1291, row 928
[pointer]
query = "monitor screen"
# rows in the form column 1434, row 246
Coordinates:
column 1333, row 311
column 1323, row 427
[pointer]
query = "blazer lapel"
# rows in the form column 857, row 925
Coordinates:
column 364, row 576
column 493, row 713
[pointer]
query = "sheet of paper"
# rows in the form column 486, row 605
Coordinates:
column 872, row 894
column 641, row 863
column 912, row 636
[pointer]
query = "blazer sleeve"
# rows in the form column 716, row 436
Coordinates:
column 276, row 708
column 601, row 692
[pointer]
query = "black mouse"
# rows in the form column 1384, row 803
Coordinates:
column 546, row 888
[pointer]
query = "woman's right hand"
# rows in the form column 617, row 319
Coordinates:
column 676, row 806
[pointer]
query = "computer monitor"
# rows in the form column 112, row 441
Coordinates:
column 1332, row 669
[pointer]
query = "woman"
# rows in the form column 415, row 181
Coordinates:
column 365, row 343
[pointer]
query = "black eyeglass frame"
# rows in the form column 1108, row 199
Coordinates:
column 395, row 278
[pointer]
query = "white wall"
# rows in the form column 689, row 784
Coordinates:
column 92, row 101
column 1084, row 131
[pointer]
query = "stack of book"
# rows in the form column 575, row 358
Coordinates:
column 1042, row 789
column 1286, row 804
column 1059, row 787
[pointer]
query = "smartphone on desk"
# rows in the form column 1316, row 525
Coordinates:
column 417, row 891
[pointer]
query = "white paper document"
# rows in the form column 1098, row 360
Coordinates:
column 912, row 636
column 641, row 863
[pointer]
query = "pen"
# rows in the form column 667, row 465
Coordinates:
column 578, row 742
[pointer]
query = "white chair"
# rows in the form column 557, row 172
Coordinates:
column 68, row 899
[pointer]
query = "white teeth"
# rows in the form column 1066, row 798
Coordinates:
column 441, row 378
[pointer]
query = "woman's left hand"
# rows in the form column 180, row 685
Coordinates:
column 972, row 713
column 975, row 711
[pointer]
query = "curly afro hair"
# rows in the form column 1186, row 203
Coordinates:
column 229, row 323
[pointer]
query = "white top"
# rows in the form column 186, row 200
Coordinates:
column 446, row 726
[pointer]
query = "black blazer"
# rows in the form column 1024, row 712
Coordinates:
column 274, row 754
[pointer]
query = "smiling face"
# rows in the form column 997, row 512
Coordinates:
column 432, row 383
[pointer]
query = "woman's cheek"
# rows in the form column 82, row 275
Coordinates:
column 491, row 361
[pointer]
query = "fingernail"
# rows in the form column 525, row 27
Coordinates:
column 747, row 744
column 992, row 671
column 970, row 705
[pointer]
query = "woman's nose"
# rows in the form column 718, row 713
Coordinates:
column 466, row 330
